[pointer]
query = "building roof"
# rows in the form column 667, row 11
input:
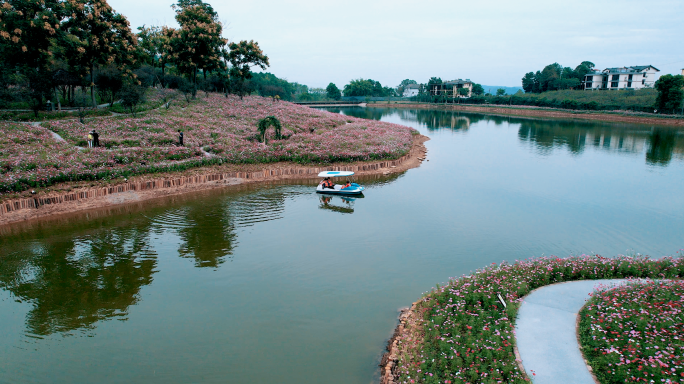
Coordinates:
column 459, row 81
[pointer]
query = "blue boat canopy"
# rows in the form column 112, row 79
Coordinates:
column 335, row 173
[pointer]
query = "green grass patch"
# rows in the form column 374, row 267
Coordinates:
column 43, row 115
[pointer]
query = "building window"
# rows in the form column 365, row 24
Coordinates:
column 614, row 84
column 630, row 78
column 629, row 84
column 616, row 77
column 643, row 82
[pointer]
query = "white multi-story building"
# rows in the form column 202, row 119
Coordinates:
column 411, row 90
column 634, row 77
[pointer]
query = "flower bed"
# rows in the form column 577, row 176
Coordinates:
column 224, row 127
column 635, row 333
column 227, row 127
column 31, row 157
column 465, row 335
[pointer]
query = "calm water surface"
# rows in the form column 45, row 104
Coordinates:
column 275, row 284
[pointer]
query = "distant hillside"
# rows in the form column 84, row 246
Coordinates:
column 493, row 88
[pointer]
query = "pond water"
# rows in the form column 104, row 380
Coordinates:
column 275, row 284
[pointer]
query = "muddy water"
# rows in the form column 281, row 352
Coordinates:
column 275, row 284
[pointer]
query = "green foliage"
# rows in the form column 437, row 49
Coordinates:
column 369, row 87
column 131, row 96
column 670, row 93
column 198, row 43
column 269, row 85
column 265, row 123
column 109, row 82
column 98, row 36
column 333, row 92
column 556, row 77
column 641, row 100
column 478, row 90
column 42, row 116
column 500, row 92
column 243, row 56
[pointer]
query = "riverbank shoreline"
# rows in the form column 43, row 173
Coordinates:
column 467, row 329
column 142, row 188
column 539, row 112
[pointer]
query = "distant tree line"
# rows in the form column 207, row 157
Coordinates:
column 49, row 48
column 555, row 77
column 368, row 87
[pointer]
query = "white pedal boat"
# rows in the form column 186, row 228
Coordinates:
column 339, row 189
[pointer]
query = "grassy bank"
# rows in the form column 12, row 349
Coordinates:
column 642, row 101
column 217, row 130
column 635, row 333
column 464, row 334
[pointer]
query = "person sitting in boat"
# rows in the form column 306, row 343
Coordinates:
column 327, row 183
column 347, row 185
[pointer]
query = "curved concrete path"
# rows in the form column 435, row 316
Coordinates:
column 545, row 332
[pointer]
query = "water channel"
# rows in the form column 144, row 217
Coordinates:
column 272, row 283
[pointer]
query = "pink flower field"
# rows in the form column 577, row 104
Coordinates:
column 465, row 335
column 635, row 333
column 31, row 157
column 217, row 130
column 227, row 127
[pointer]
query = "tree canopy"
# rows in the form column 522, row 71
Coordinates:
column 556, row 77
column 670, row 93
column 367, row 87
column 333, row 92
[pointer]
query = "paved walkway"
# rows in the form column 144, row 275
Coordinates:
column 546, row 336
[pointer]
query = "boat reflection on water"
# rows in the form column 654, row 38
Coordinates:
column 340, row 204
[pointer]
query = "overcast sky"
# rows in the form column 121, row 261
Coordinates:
column 492, row 42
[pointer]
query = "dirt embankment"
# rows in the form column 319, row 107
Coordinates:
column 72, row 197
column 537, row 112
column 406, row 335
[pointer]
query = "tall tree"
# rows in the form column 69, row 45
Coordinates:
column 478, row 90
column 149, row 44
column 243, row 56
column 28, row 33
column 528, row 82
column 98, row 36
column 670, row 93
column 333, row 92
column 198, row 43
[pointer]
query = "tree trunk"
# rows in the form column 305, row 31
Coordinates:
column 194, row 83
column 92, row 85
column 163, row 80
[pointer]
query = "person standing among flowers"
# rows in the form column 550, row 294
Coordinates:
column 96, row 139
column 180, row 138
column 90, row 139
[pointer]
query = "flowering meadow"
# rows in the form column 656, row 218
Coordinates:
column 635, row 333
column 465, row 335
column 217, row 129
column 31, row 157
column 227, row 127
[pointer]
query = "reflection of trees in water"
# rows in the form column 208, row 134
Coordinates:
column 208, row 235
column 364, row 113
column 547, row 135
column 74, row 283
column 661, row 146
